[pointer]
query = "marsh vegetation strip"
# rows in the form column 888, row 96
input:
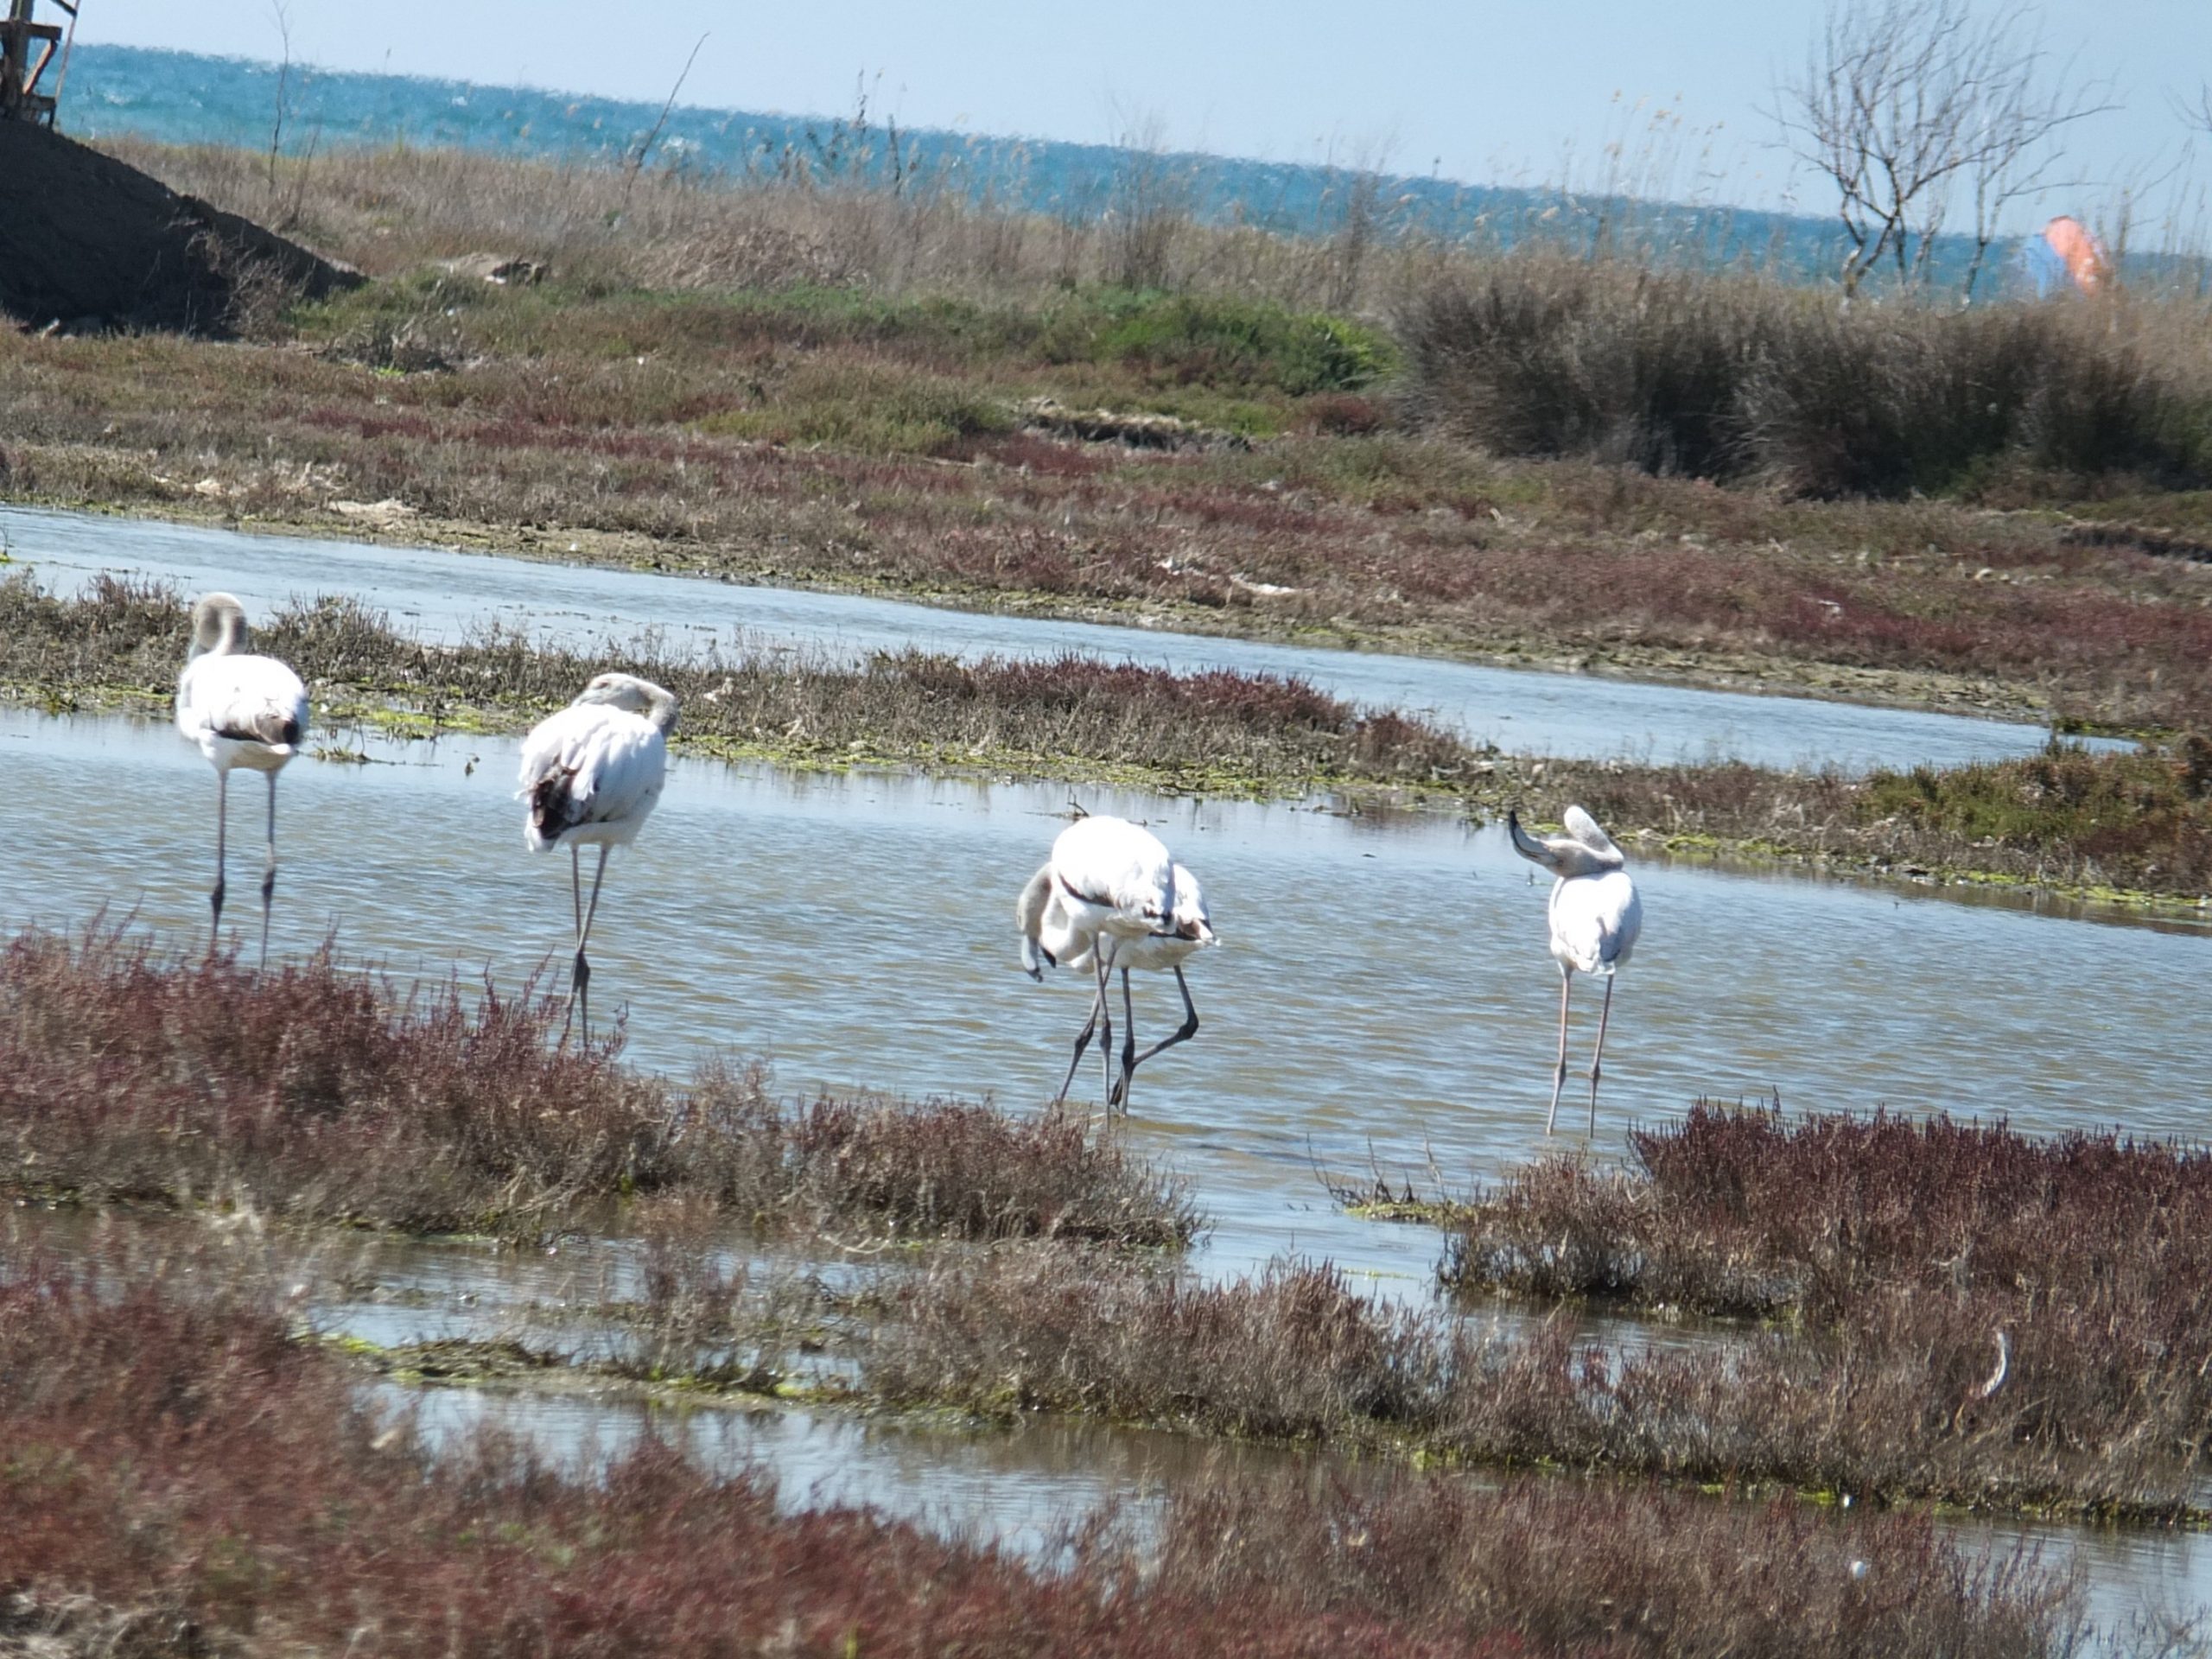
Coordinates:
column 856, row 931
column 141, row 1497
column 314, row 1091
column 462, row 1322
column 1074, row 716
column 447, row 595
column 2135, row 826
column 834, row 392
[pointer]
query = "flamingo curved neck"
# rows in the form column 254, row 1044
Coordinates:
column 219, row 632
column 660, row 708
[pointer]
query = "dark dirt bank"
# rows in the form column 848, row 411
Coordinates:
column 89, row 244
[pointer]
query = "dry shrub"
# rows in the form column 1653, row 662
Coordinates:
column 1729, row 377
column 314, row 1091
column 181, row 1475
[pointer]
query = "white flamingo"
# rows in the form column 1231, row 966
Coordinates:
column 591, row 774
column 1046, row 933
column 1107, row 884
column 242, row 710
column 1595, row 917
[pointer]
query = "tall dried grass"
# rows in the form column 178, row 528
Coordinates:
column 1730, row 378
column 387, row 209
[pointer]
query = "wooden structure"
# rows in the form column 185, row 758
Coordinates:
column 26, row 49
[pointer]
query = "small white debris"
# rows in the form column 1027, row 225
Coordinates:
column 386, row 511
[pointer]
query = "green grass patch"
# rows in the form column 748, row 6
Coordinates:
column 1225, row 342
column 867, row 405
column 2109, row 807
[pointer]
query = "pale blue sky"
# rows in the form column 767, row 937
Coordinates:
column 1485, row 90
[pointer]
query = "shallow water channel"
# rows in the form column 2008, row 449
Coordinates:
column 1382, row 983
column 1382, row 991
column 444, row 596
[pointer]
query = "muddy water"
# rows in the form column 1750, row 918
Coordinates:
column 445, row 595
column 1383, row 984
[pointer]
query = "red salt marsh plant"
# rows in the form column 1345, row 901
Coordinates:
column 1749, row 1211
column 183, row 1477
column 323, row 1093
column 1071, row 712
column 1892, row 1401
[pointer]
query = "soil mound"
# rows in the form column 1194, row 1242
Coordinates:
column 87, row 243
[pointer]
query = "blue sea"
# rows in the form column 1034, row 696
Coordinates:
column 184, row 98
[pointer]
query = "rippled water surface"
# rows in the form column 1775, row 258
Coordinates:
column 443, row 596
column 1382, row 983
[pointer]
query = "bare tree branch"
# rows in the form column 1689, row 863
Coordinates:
column 1902, row 103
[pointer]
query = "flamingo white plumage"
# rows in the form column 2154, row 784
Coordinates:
column 243, row 710
column 1047, row 933
column 591, row 775
column 1107, row 884
column 1595, row 917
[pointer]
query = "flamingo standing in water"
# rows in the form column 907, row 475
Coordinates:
column 243, row 710
column 1595, row 917
column 1046, row 934
column 591, row 775
column 1107, row 884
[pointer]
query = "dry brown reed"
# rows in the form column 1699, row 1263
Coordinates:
column 385, row 209
column 1728, row 376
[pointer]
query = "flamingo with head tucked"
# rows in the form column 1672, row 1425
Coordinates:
column 591, row 775
column 1047, row 934
column 1107, row 884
